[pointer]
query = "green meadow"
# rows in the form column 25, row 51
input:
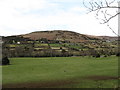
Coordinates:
column 68, row 72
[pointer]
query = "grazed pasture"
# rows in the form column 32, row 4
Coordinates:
column 61, row 72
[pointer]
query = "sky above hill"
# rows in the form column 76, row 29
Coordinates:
column 25, row 16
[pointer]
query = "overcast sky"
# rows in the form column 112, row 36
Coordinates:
column 25, row 16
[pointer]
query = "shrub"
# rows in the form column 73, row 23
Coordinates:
column 5, row 61
column 96, row 55
column 118, row 54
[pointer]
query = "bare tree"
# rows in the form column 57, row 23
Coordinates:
column 102, row 9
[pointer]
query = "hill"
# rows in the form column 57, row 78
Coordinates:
column 58, row 43
column 60, row 35
column 108, row 38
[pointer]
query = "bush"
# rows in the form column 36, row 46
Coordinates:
column 5, row 61
column 118, row 54
column 96, row 55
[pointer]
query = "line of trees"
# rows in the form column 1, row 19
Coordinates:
column 30, row 52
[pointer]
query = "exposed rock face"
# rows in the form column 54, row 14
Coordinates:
column 5, row 61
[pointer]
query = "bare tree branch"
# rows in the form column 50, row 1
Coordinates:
column 112, row 30
column 102, row 8
column 107, row 20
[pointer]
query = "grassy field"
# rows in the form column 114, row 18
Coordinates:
column 55, row 45
column 68, row 72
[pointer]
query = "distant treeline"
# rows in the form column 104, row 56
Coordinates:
column 24, row 47
column 30, row 52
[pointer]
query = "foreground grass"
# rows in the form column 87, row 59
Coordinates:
column 77, row 69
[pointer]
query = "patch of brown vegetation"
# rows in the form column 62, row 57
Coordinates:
column 59, row 35
column 58, row 83
column 101, row 77
column 50, row 84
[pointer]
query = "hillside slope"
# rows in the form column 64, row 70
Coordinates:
column 58, row 43
column 60, row 35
